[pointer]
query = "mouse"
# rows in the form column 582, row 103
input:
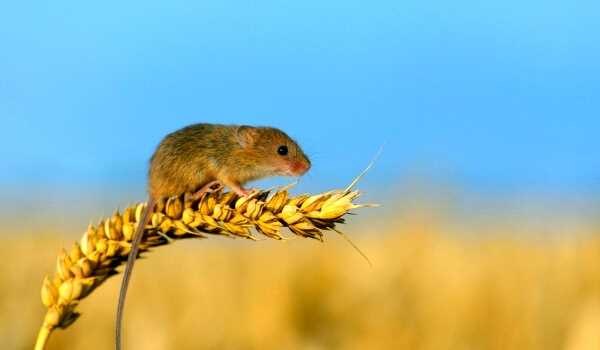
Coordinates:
column 203, row 158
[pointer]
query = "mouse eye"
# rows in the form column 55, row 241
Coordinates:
column 282, row 150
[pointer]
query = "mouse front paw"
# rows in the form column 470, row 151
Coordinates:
column 242, row 192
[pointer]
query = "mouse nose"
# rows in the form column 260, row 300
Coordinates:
column 299, row 168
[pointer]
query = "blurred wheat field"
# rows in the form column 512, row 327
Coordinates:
column 428, row 289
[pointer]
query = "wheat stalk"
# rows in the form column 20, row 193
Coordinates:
column 104, row 247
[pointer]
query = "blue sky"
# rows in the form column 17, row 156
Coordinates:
column 495, row 95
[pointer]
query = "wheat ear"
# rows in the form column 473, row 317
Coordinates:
column 104, row 247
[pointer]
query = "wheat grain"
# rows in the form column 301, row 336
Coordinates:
column 104, row 247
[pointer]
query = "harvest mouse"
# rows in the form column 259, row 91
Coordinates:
column 201, row 158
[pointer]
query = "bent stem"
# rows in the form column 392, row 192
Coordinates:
column 42, row 338
column 103, row 248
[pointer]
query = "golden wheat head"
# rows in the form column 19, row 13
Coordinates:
column 104, row 247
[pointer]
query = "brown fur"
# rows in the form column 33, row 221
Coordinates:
column 191, row 157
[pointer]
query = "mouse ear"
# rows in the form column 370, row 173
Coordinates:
column 246, row 135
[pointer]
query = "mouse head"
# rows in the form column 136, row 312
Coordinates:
column 273, row 151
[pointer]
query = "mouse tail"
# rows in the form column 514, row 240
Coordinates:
column 135, row 246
